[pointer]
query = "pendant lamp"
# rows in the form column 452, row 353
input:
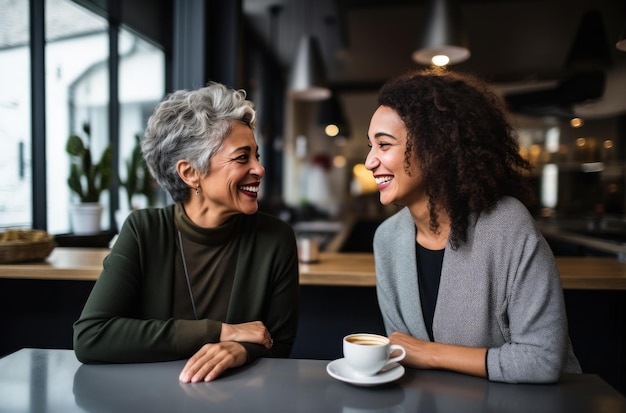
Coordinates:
column 308, row 76
column 591, row 48
column 332, row 118
column 443, row 39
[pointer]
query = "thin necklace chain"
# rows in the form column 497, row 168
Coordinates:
column 182, row 254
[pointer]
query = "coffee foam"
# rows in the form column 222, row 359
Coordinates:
column 366, row 341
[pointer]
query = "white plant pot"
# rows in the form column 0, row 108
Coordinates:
column 85, row 218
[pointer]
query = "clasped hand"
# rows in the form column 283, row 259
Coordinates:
column 213, row 359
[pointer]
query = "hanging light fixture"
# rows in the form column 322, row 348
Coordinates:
column 308, row 76
column 332, row 118
column 443, row 40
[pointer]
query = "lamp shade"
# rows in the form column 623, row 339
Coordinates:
column 590, row 49
column 443, row 35
column 308, row 75
column 332, row 118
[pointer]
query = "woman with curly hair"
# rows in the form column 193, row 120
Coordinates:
column 465, row 280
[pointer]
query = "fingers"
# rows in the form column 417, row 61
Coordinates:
column 400, row 338
column 211, row 361
column 198, row 372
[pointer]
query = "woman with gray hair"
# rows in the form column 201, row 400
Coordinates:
column 209, row 278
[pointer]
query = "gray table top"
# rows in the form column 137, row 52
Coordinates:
column 34, row 380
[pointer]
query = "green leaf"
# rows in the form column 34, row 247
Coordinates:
column 138, row 178
column 75, row 146
column 88, row 179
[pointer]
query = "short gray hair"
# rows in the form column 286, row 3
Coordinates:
column 192, row 125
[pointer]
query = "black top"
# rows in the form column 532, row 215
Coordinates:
column 429, row 264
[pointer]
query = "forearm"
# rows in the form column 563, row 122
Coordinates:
column 466, row 360
column 429, row 355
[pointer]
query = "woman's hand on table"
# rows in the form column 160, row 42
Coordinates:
column 212, row 360
column 251, row 332
column 417, row 353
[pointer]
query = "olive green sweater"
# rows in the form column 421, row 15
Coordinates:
column 128, row 315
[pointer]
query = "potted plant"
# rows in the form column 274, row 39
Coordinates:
column 138, row 179
column 139, row 184
column 87, row 179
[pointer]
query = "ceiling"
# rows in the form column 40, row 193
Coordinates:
column 517, row 45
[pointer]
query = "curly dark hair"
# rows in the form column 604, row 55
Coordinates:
column 466, row 150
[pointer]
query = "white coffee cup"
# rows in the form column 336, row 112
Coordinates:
column 367, row 354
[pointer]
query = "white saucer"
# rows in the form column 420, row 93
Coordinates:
column 340, row 370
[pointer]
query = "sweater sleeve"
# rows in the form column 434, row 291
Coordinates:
column 537, row 325
column 127, row 317
column 272, row 294
column 533, row 317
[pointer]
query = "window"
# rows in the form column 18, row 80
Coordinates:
column 140, row 91
column 76, row 91
column 15, row 120
column 77, row 87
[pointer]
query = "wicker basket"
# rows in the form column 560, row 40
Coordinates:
column 24, row 250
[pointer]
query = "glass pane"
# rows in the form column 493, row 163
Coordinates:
column 142, row 85
column 15, row 120
column 76, row 94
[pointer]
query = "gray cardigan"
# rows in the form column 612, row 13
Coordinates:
column 500, row 290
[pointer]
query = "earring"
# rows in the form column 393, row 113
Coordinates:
column 197, row 190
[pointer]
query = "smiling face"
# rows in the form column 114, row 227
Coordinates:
column 387, row 137
column 232, row 185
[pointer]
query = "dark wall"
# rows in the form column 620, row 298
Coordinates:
column 39, row 313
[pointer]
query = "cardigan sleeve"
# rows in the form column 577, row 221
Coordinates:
column 533, row 318
column 127, row 316
column 536, row 348
column 267, row 285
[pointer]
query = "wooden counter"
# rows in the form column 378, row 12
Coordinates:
column 79, row 264
column 333, row 269
column 357, row 269
column 341, row 269
column 592, row 273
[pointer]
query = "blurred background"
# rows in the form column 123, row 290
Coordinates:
column 65, row 63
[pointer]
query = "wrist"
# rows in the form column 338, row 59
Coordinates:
column 436, row 355
column 226, row 332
